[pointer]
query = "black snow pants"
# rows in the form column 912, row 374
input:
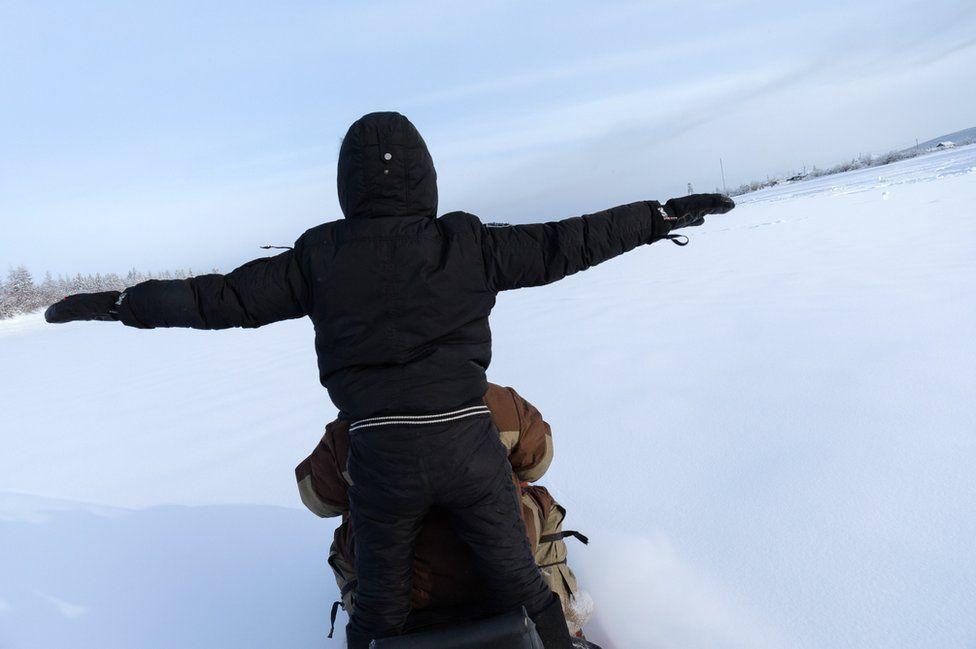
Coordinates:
column 400, row 470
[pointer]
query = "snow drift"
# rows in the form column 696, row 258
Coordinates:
column 767, row 435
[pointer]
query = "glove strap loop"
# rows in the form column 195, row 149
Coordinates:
column 677, row 239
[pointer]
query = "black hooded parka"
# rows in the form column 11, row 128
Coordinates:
column 399, row 297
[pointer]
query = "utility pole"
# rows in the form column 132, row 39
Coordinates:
column 725, row 190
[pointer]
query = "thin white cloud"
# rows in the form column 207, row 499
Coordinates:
column 605, row 64
column 65, row 608
column 561, row 124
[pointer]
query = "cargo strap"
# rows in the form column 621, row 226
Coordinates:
column 559, row 536
column 350, row 585
column 332, row 616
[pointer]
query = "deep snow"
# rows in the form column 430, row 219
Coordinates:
column 768, row 436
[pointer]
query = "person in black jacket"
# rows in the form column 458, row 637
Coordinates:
column 399, row 299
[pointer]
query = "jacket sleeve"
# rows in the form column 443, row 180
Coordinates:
column 323, row 482
column 258, row 293
column 532, row 454
column 518, row 256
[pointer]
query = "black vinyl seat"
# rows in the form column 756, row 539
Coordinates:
column 509, row 631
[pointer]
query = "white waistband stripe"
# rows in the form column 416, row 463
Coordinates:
column 414, row 420
column 410, row 417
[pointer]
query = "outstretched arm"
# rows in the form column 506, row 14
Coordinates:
column 518, row 256
column 260, row 292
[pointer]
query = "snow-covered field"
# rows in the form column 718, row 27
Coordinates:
column 769, row 437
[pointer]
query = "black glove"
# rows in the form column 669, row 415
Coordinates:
column 691, row 210
column 84, row 306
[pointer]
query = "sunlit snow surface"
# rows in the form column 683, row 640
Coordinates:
column 769, row 437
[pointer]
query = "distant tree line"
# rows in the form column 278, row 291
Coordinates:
column 20, row 293
column 860, row 162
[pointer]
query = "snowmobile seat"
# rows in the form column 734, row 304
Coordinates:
column 509, row 631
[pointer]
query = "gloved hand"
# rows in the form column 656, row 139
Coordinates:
column 84, row 306
column 691, row 210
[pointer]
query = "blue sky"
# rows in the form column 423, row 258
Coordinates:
column 178, row 134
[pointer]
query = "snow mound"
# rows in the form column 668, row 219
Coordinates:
column 767, row 436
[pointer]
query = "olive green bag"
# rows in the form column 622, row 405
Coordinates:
column 551, row 554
